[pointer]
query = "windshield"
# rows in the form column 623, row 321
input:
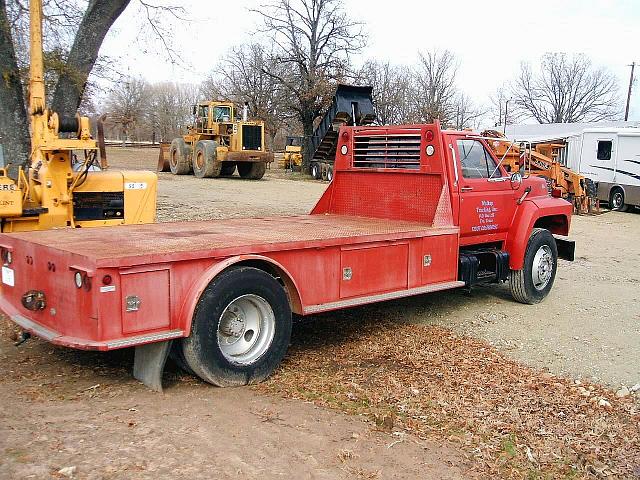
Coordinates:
column 221, row 114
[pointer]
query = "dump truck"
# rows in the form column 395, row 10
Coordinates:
column 351, row 105
column 64, row 183
column 216, row 144
column 412, row 210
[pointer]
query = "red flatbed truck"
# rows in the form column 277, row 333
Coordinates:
column 411, row 210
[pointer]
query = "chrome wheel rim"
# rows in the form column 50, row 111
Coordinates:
column 542, row 267
column 246, row 329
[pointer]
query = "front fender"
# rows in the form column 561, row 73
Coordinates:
column 528, row 213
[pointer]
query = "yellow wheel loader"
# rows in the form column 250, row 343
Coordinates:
column 216, row 144
column 64, row 184
column 292, row 158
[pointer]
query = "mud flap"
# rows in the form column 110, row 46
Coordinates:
column 148, row 363
column 566, row 248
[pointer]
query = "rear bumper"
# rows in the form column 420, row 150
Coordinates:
column 58, row 338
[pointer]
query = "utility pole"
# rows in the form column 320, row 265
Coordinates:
column 626, row 112
column 506, row 109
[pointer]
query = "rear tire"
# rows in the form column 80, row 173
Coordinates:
column 180, row 157
column 205, row 159
column 533, row 283
column 330, row 173
column 616, row 200
column 252, row 170
column 228, row 168
column 240, row 330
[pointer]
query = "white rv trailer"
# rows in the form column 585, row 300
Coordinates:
column 611, row 158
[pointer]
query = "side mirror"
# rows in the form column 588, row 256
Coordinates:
column 195, row 109
column 516, row 180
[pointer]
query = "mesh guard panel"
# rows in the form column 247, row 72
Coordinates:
column 397, row 196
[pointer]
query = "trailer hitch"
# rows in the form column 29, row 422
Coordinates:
column 22, row 337
column 34, row 300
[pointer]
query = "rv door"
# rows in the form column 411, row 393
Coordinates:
column 599, row 157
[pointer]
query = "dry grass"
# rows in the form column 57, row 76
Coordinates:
column 515, row 421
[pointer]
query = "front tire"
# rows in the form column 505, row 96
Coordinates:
column 180, row 157
column 315, row 170
column 240, row 330
column 533, row 283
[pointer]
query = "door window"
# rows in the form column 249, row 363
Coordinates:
column 475, row 160
column 604, row 149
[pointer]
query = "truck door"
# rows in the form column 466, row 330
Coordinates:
column 487, row 201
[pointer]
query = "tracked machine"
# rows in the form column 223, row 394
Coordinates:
column 64, row 184
column 216, row 144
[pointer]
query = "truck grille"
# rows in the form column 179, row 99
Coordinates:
column 251, row 137
column 387, row 151
column 98, row 205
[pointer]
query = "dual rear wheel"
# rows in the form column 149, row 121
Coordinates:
column 240, row 330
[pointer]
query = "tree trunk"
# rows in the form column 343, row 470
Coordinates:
column 96, row 22
column 307, row 118
column 14, row 129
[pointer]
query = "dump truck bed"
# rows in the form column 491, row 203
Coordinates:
column 144, row 244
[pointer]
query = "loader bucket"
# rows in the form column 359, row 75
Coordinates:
column 163, row 157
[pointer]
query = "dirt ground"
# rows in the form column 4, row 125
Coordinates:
column 64, row 408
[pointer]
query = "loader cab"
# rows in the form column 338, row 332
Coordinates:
column 207, row 115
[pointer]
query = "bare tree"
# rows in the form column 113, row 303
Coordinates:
column 248, row 73
column 392, row 91
column 313, row 39
column 567, row 89
column 169, row 109
column 467, row 114
column 435, row 89
column 75, row 36
column 128, row 106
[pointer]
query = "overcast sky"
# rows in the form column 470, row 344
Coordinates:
column 488, row 41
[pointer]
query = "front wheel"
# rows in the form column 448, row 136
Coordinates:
column 180, row 157
column 315, row 170
column 533, row 283
column 240, row 330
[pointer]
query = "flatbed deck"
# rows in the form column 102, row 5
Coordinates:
column 131, row 245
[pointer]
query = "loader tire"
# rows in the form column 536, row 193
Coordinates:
column 205, row 160
column 533, row 283
column 180, row 157
column 252, row 170
column 240, row 329
column 227, row 169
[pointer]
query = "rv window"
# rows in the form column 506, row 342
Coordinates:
column 604, row 149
